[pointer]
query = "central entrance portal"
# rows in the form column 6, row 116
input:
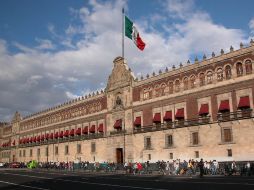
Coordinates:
column 119, row 155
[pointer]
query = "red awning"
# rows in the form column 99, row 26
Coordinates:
column 34, row 139
column 180, row 113
column 56, row 135
column 100, row 128
column 78, row 131
column 204, row 109
column 61, row 134
column 244, row 102
column 72, row 132
column 118, row 124
column 31, row 139
column 42, row 137
column 38, row 138
column 85, row 130
column 92, row 129
column 168, row 116
column 224, row 105
column 137, row 121
column 20, row 141
column 47, row 136
column 51, row 136
column 157, row 118
column 66, row 133
column 13, row 143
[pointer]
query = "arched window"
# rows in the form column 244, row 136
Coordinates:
column 202, row 79
column 146, row 94
column 228, row 72
column 177, row 85
column 157, row 91
column 248, row 67
column 209, row 77
column 192, row 81
column 185, row 83
column 239, row 69
column 171, row 87
column 163, row 87
column 219, row 74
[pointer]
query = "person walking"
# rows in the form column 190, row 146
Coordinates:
column 201, row 167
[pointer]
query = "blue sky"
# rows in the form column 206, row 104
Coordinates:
column 50, row 50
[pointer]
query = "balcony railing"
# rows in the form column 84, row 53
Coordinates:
column 221, row 117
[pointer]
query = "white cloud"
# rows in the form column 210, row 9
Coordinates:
column 44, row 44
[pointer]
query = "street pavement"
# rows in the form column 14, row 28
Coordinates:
column 25, row 179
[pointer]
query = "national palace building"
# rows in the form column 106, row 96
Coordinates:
column 197, row 110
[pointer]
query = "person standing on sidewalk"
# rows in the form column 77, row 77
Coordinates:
column 201, row 167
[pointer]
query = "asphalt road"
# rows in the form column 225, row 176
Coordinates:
column 55, row 180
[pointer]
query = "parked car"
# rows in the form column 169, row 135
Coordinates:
column 1, row 164
column 15, row 165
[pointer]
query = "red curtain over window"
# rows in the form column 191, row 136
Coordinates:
column 180, row 113
column 100, row 128
column 224, row 105
column 42, row 137
column 66, row 133
column 204, row 109
column 13, row 143
column 51, row 136
column 118, row 124
column 92, row 129
column 78, row 131
column 168, row 116
column 47, row 136
column 85, row 130
column 72, row 132
column 38, row 138
column 61, row 134
column 34, row 139
column 31, row 139
column 137, row 121
column 157, row 118
column 56, row 135
column 244, row 102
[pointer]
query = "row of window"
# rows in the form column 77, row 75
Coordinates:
column 196, row 154
column 201, row 79
column 226, row 137
column 179, row 114
column 56, row 150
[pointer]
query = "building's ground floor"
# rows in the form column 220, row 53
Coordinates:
column 224, row 141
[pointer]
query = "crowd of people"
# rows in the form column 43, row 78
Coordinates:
column 176, row 167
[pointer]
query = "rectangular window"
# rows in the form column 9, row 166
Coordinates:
column 149, row 157
column 66, row 150
column 196, row 154
column 56, row 150
column 171, row 155
column 20, row 153
column 227, row 135
column 38, row 152
column 169, row 140
column 148, row 143
column 229, row 152
column 24, row 153
column 195, row 138
column 31, row 152
column 47, row 151
column 93, row 147
column 78, row 148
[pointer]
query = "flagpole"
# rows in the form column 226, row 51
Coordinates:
column 123, row 32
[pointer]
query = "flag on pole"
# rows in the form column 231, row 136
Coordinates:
column 132, row 33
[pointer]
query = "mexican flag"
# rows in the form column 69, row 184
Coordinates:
column 132, row 33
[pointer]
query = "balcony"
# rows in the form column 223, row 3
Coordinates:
column 117, row 132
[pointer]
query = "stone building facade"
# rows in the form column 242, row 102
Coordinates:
column 200, row 110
